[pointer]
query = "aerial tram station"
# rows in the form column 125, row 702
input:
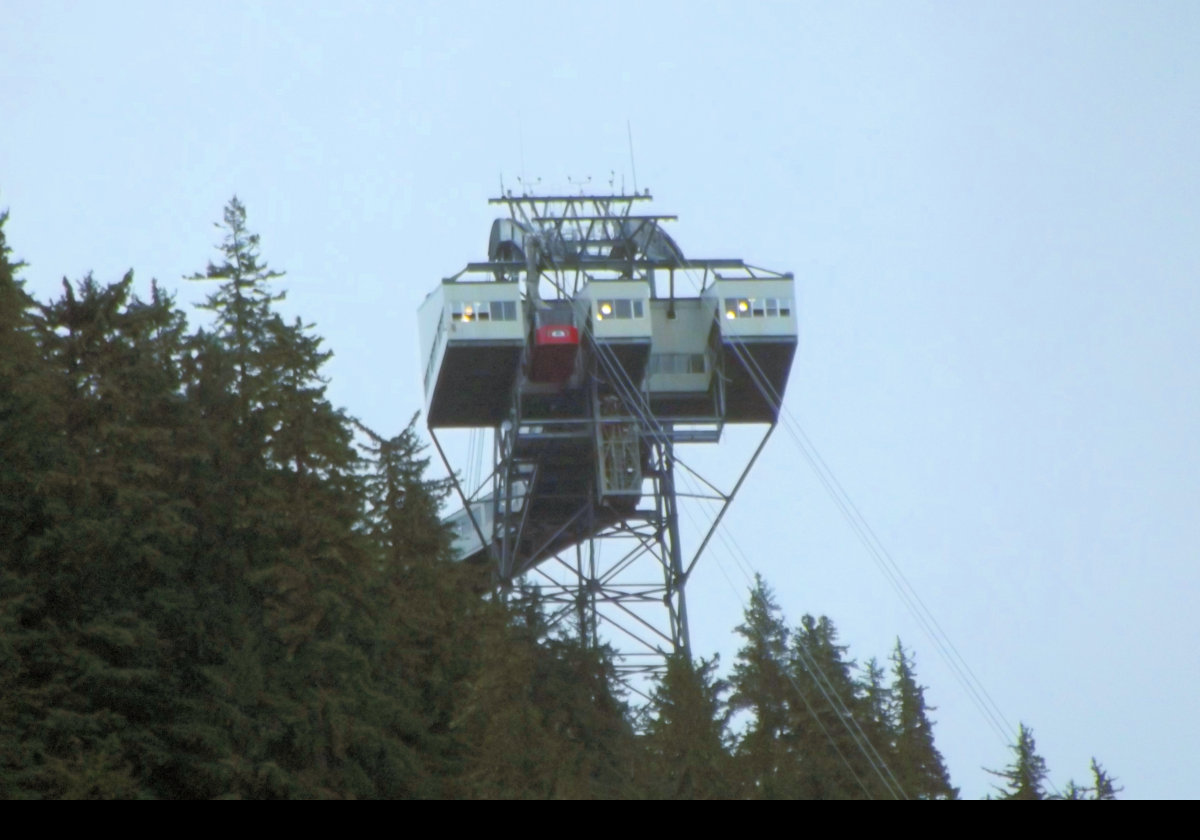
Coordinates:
column 576, row 345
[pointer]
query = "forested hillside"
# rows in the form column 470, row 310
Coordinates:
column 213, row 583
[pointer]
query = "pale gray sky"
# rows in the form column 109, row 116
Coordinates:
column 991, row 210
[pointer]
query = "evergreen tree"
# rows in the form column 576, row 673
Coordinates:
column 433, row 616
column 1103, row 785
column 766, row 752
column 27, row 446
column 838, row 761
column 919, row 765
column 402, row 517
column 101, row 567
column 542, row 718
column 25, row 407
column 510, row 750
column 1026, row 777
column 686, row 736
column 875, row 714
column 295, row 574
column 577, row 689
column 243, row 304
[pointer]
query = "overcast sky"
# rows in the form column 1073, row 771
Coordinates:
column 991, row 209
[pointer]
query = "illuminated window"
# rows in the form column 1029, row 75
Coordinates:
column 737, row 308
column 495, row 310
column 757, row 307
column 623, row 308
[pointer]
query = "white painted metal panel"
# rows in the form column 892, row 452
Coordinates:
column 464, row 539
column 470, row 315
column 472, row 337
column 680, row 352
column 618, row 309
column 755, row 308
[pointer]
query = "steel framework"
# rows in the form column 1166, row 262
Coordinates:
column 583, row 498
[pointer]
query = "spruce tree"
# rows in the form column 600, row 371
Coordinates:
column 28, row 443
column 919, row 765
column 429, row 607
column 295, row 571
column 577, row 688
column 838, row 760
column 25, row 409
column 876, row 712
column 510, row 749
column 766, row 753
column 103, row 608
column 686, row 738
column 1025, row 778
column 243, row 304
column 1104, row 786
column 402, row 515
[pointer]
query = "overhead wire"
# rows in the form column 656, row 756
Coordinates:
column 840, row 708
column 634, row 401
column 891, row 570
column 883, row 559
column 632, row 398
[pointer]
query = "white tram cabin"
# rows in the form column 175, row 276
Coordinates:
column 472, row 338
column 477, row 335
column 756, row 321
column 618, row 314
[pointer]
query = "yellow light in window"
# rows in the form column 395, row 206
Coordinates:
column 606, row 308
column 730, row 314
column 468, row 312
column 743, row 306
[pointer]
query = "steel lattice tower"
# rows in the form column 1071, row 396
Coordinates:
column 573, row 346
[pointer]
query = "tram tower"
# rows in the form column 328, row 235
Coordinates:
column 574, row 345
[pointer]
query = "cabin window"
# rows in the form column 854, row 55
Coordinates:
column 623, row 308
column 504, row 310
column 561, row 317
column 757, row 308
column 495, row 310
column 675, row 363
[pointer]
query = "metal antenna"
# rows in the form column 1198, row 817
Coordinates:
column 632, row 165
column 521, row 146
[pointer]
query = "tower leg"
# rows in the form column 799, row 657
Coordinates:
column 672, row 555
